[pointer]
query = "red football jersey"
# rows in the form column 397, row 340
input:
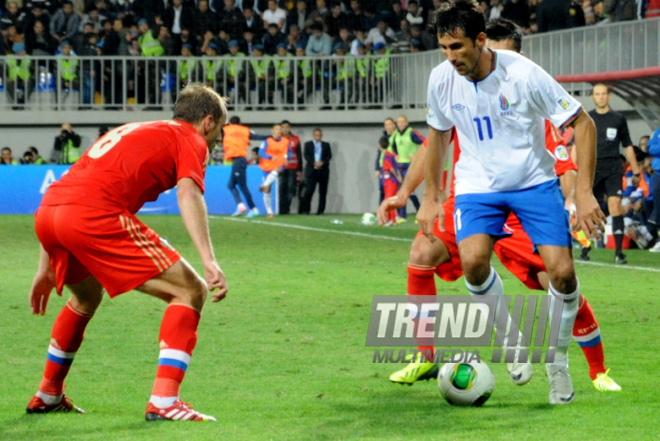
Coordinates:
column 554, row 142
column 131, row 165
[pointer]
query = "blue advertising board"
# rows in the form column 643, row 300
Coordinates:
column 23, row 186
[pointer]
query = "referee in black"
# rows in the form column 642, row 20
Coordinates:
column 611, row 132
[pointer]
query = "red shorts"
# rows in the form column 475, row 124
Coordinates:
column 452, row 269
column 116, row 248
column 517, row 254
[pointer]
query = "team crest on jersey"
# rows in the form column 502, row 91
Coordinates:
column 563, row 103
column 458, row 107
column 561, row 153
column 504, row 103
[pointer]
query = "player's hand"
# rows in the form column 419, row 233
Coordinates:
column 589, row 216
column 215, row 278
column 389, row 204
column 426, row 216
column 42, row 285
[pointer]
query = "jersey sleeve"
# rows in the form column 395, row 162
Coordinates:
column 555, row 145
column 550, row 99
column 192, row 159
column 434, row 116
column 625, row 134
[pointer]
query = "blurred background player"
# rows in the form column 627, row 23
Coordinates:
column 92, row 242
column 611, row 131
column 292, row 173
column 235, row 140
column 273, row 155
column 390, row 176
column 405, row 142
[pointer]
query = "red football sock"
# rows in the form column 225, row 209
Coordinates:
column 178, row 337
column 587, row 333
column 421, row 282
column 66, row 338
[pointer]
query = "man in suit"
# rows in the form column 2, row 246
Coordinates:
column 317, row 156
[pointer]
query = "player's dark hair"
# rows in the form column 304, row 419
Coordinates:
column 384, row 142
column 460, row 15
column 285, row 121
column 196, row 101
column 390, row 119
column 600, row 84
column 6, row 148
column 34, row 150
column 318, row 129
column 503, row 29
column 234, row 120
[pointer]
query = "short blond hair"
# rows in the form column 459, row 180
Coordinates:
column 196, row 101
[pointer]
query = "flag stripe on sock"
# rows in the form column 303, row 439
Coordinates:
column 590, row 343
column 175, row 354
column 60, row 353
column 490, row 285
column 58, row 360
column 174, row 363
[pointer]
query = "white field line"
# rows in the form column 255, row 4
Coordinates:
column 400, row 239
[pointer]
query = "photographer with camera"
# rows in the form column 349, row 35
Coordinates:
column 67, row 146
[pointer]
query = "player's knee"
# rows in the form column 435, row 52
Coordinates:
column 425, row 252
column 563, row 277
column 476, row 267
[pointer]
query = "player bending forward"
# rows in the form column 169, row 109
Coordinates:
column 498, row 103
column 91, row 241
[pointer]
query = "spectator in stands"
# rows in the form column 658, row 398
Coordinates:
column 495, row 11
column 166, row 41
column 89, row 68
column 298, row 16
column 274, row 15
column 552, row 15
column 36, row 13
column 65, row 23
column 621, row 10
column 403, row 37
column 11, row 37
column 381, row 34
column 68, row 67
column 654, row 151
column 357, row 16
column 235, row 68
column 427, row 41
column 92, row 17
column 19, row 76
column 318, row 15
column 223, row 41
column 212, row 66
column 415, row 14
column 397, row 13
column 254, row 23
column 335, row 20
column 272, row 39
column 7, row 158
column 370, row 17
column 262, row 75
column 233, row 20
column 67, row 145
column 294, row 38
column 599, row 12
column 345, row 39
column 81, row 37
column 319, row 42
column 178, row 16
column 204, row 20
column 518, row 12
column 643, row 143
column 186, row 66
column 38, row 42
column 305, row 71
column 415, row 46
column 36, row 157
column 27, row 158
column 111, row 38
column 149, row 71
column 317, row 156
column 11, row 16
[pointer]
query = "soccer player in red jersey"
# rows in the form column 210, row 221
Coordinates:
column 515, row 252
column 92, row 241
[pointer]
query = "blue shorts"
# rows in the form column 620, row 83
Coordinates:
column 540, row 210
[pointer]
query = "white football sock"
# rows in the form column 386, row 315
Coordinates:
column 268, row 202
column 272, row 176
column 162, row 402
column 49, row 399
column 568, row 314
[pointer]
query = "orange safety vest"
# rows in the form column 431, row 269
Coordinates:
column 235, row 140
column 277, row 150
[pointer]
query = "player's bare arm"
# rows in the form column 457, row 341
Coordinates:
column 589, row 216
column 413, row 178
column 567, row 182
column 632, row 160
column 435, row 160
column 194, row 214
column 42, row 285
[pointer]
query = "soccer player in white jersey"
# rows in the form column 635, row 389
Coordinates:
column 498, row 101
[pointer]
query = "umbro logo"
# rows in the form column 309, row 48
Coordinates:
column 458, row 107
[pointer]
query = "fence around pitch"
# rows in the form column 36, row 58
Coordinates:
column 292, row 83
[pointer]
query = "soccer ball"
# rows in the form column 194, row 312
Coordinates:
column 368, row 219
column 466, row 384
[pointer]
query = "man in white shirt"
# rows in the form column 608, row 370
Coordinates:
column 497, row 102
column 274, row 15
column 381, row 34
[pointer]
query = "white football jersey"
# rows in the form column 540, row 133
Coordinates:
column 500, row 122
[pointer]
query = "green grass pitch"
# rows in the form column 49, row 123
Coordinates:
column 284, row 356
